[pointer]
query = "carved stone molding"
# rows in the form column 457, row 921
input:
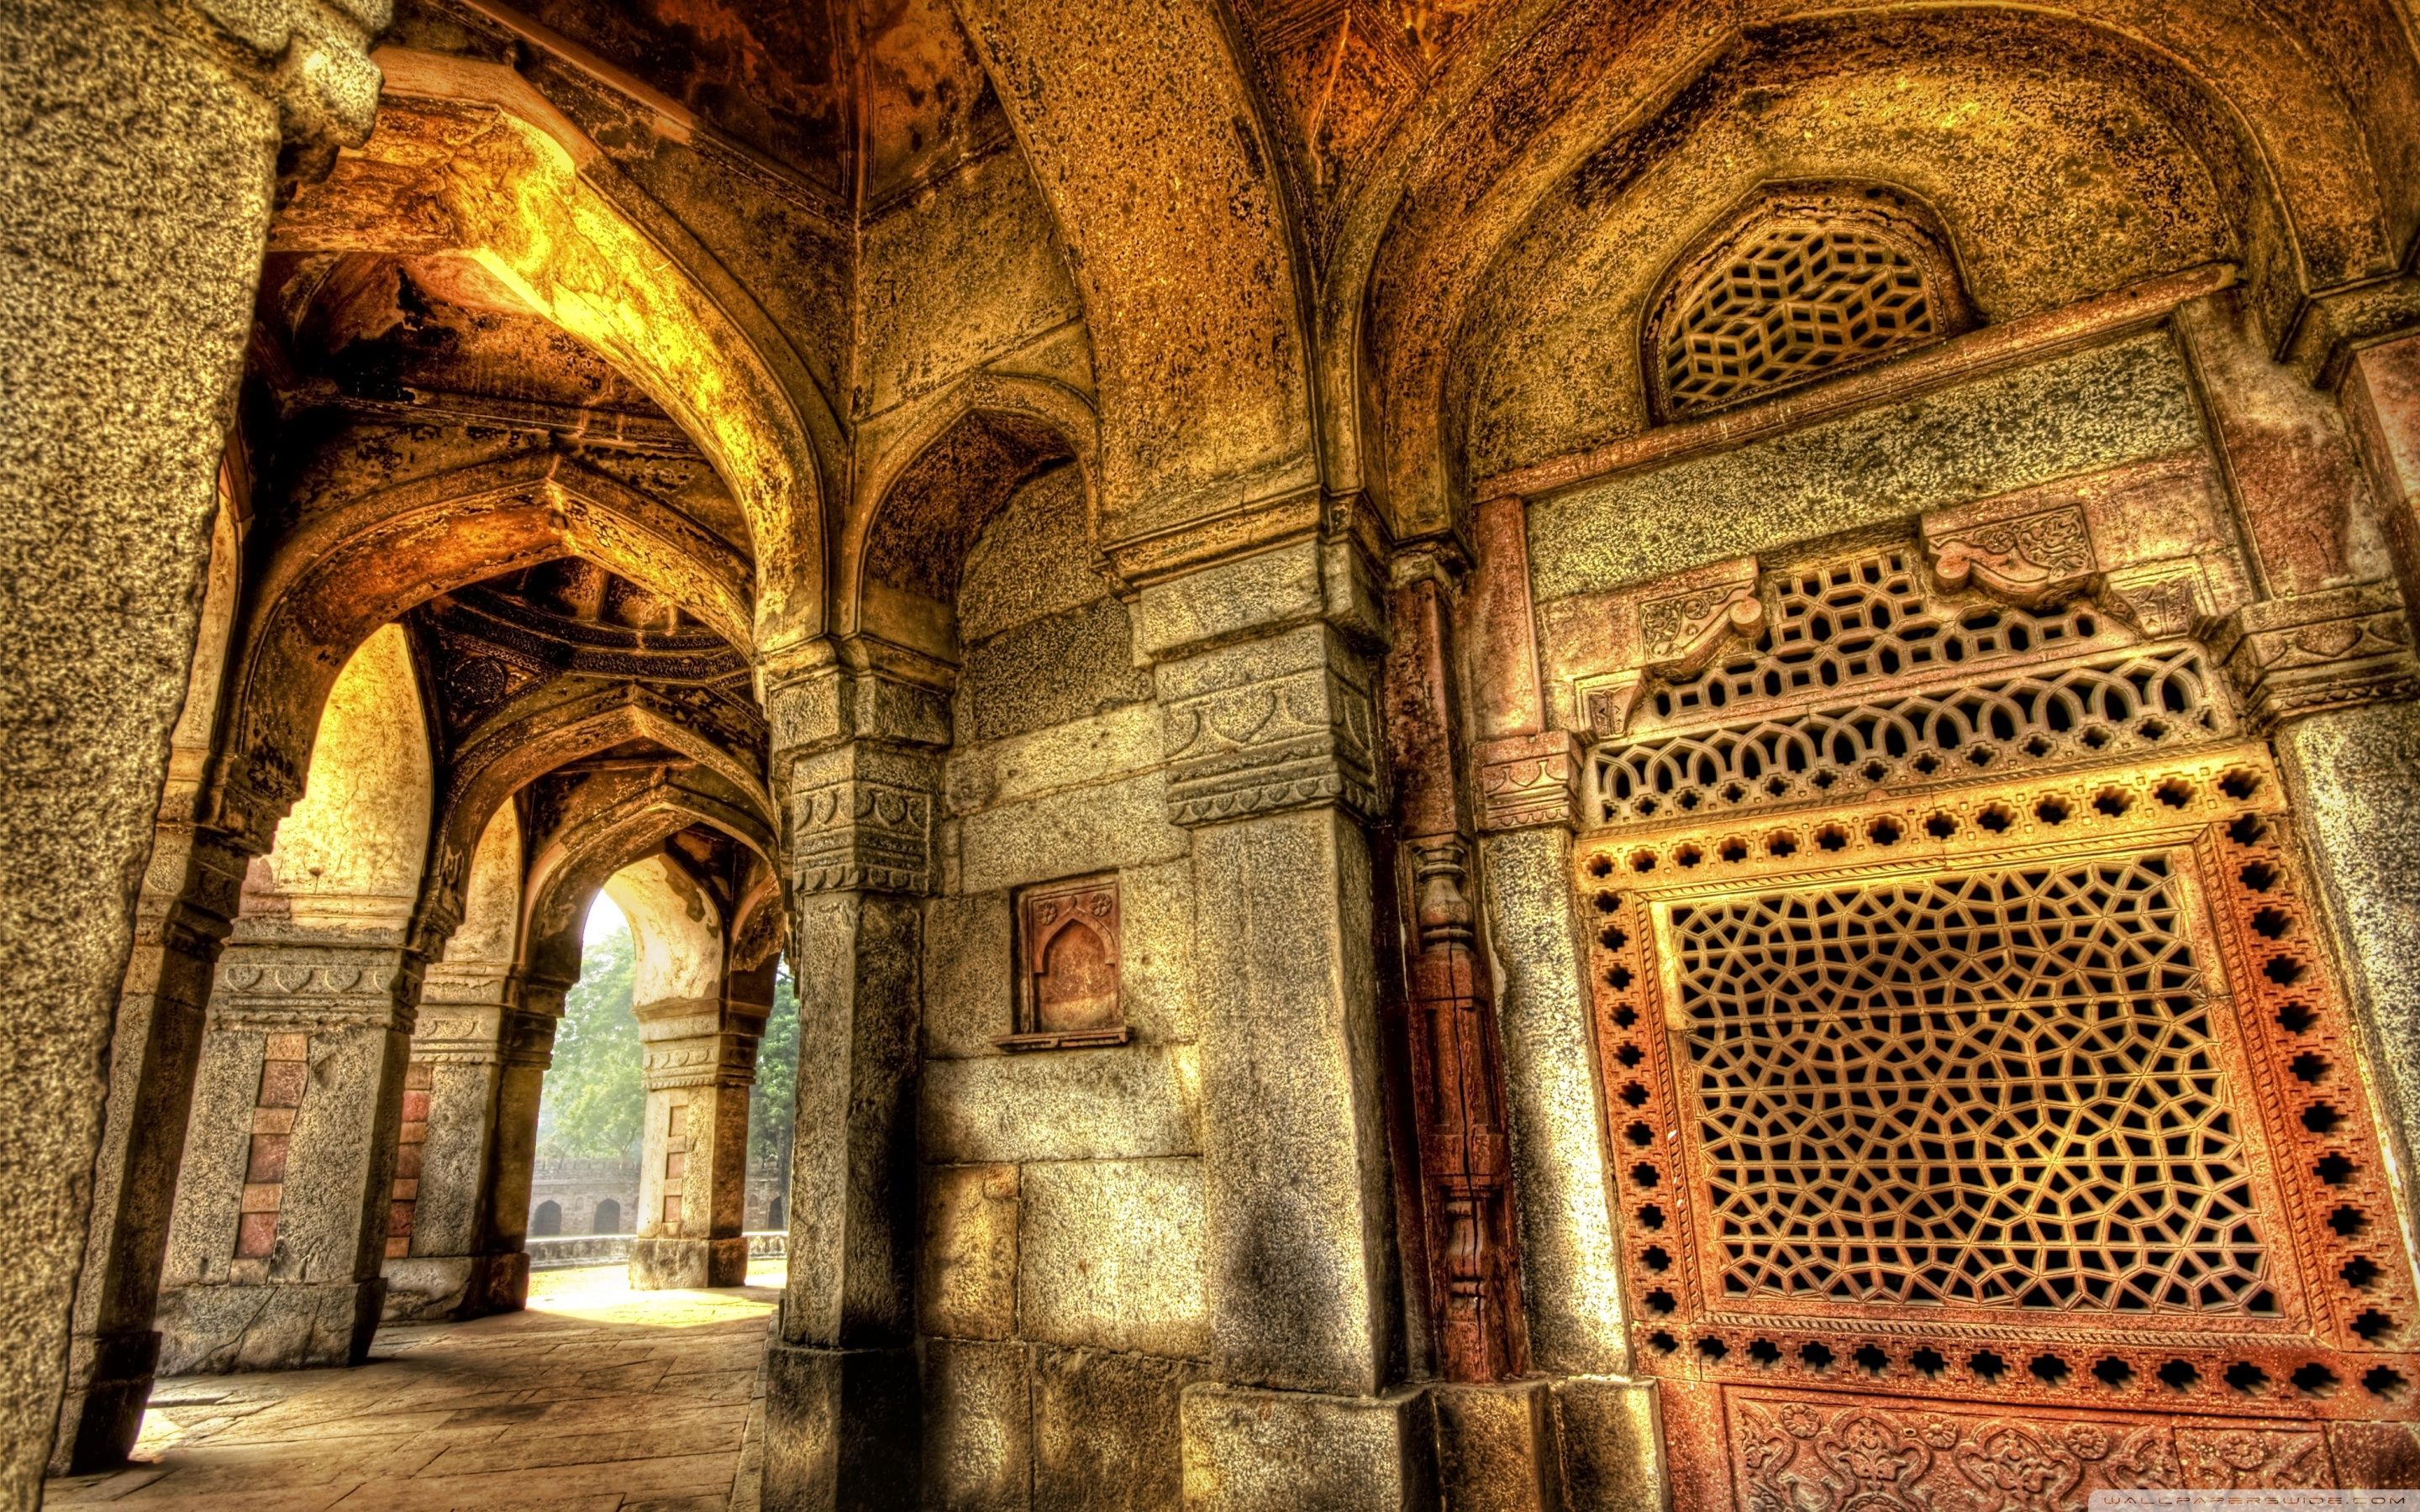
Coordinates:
column 1680, row 632
column 311, row 989
column 2161, row 601
column 2334, row 649
column 724, row 1059
column 861, row 817
column 1271, row 725
column 1528, row 780
column 2034, row 559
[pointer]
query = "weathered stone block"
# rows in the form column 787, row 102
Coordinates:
column 1069, row 666
column 842, row 1428
column 968, row 985
column 978, row 1426
column 1281, row 1451
column 670, row 1264
column 1110, row 1256
column 1156, row 971
column 1613, row 1444
column 1118, row 743
column 1130, row 1102
column 211, row 1329
column 1264, row 590
column 1496, row 1447
column 1105, row 1429
column 968, row 1285
column 1095, row 828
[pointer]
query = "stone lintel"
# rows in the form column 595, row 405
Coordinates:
column 303, row 989
column 2332, row 649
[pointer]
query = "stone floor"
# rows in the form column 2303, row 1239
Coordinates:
column 595, row 1398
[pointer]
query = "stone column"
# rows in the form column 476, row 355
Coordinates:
column 286, row 1201
column 478, row 1057
column 1265, row 683
column 1529, row 787
column 189, row 900
column 139, row 149
column 701, row 1061
column 856, row 777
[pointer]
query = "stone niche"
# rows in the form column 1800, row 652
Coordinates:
column 1067, row 967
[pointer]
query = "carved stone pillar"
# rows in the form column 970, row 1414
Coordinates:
column 1530, row 784
column 1268, row 720
column 458, row 1213
column 857, row 774
column 123, row 332
column 286, row 1201
column 189, row 898
column 701, row 1059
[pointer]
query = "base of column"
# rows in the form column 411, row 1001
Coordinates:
column 430, row 1288
column 844, row 1428
column 214, row 1329
column 1611, row 1433
column 1495, row 1446
column 1252, row 1450
column 663, row 1264
column 109, row 1384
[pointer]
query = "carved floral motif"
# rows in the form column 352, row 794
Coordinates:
column 2033, row 560
column 1830, row 1455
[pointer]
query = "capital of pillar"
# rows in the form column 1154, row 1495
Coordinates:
column 310, row 59
column 1265, row 682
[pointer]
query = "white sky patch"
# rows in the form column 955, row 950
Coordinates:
column 604, row 917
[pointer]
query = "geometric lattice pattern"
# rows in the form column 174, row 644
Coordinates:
column 2028, row 719
column 1866, row 620
column 1790, row 304
column 1994, row 1089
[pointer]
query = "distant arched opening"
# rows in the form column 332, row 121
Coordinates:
column 609, row 1218
column 778, row 1215
column 547, row 1221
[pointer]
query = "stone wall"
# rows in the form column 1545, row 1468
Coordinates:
column 1063, row 1285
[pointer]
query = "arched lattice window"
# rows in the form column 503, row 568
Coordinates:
column 1806, row 283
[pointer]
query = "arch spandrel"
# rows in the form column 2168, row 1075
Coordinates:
column 353, row 568
column 1143, row 135
column 2309, row 204
column 470, row 160
column 675, row 930
column 522, row 742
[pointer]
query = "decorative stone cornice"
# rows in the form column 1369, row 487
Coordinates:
column 313, row 989
column 1525, row 781
column 726, row 1059
column 1271, row 725
column 2313, row 652
column 861, row 818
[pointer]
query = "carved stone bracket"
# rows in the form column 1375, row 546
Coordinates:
column 2161, row 601
column 2333, row 649
column 311, row 59
column 1680, row 632
column 2035, row 559
column 1286, row 722
column 1528, row 780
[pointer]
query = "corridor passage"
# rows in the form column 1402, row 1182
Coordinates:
column 595, row 1399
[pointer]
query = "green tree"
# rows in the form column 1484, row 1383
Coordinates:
column 772, row 1101
column 595, row 1103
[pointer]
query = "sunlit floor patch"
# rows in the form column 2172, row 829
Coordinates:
column 597, row 1398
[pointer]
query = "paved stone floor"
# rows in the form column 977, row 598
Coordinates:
column 597, row 1398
